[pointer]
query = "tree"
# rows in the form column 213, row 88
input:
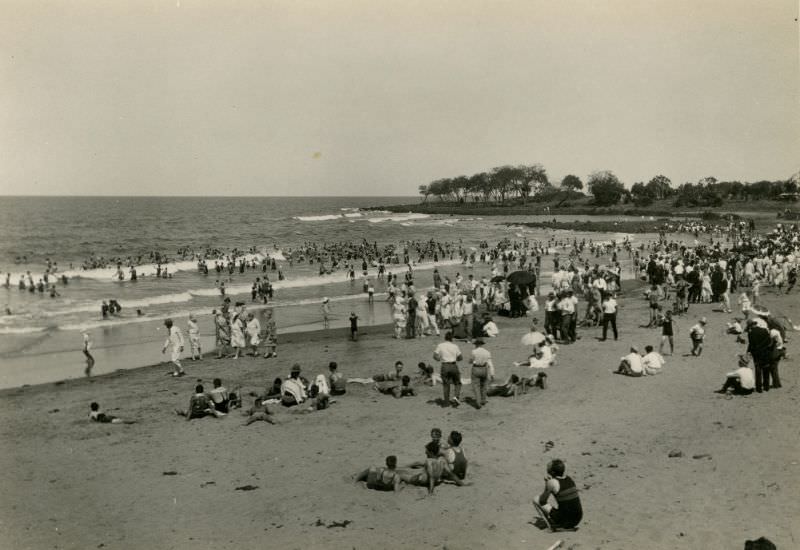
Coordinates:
column 533, row 180
column 425, row 192
column 660, row 187
column 606, row 188
column 571, row 183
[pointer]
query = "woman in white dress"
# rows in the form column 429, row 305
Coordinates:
column 237, row 334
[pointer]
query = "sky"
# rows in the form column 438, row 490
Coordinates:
column 294, row 98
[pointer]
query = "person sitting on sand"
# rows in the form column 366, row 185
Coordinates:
column 223, row 400
column 652, row 362
column 538, row 381
column 454, row 455
column 433, row 473
column 96, row 416
column 490, row 329
column 403, row 389
column 336, row 380
column 426, row 375
column 735, row 327
column 568, row 513
column 741, row 381
column 631, row 364
column 541, row 358
column 200, row 405
column 293, row 389
column 381, row 479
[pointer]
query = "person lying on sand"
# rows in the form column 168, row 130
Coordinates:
column 264, row 413
column 381, row 479
column 200, row 405
column 426, row 375
column 403, row 389
column 96, row 416
column 393, row 376
column 510, row 388
column 568, row 513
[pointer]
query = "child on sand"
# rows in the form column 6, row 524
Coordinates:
column 698, row 334
column 96, row 416
column 568, row 513
column 353, row 326
column 667, row 333
column 194, row 338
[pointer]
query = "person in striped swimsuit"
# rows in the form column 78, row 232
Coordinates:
column 569, row 513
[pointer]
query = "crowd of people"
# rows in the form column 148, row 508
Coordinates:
column 678, row 278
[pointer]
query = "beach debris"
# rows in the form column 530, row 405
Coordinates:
column 675, row 453
column 54, row 411
column 207, row 483
column 586, row 453
column 701, row 455
column 247, row 488
column 170, row 473
column 613, row 466
column 548, row 445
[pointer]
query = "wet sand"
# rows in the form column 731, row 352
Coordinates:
column 213, row 483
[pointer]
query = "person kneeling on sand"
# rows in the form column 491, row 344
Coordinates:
column 382, row 479
column 200, row 405
column 742, row 381
column 96, row 416
column 631, row 364
column 569, row 512
column 403, row 389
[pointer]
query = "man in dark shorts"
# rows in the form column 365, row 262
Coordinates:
column 382, row 479
column 569, row 512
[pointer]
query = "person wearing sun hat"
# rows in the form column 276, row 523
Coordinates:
column 698, row 334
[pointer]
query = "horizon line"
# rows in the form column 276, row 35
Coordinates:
column 212, row 196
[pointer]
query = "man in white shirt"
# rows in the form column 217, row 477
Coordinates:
column 482, row 372
column 174, row 339
column 742, row 381
column 652, row 361
column 609, row 307
column 448, row 354
column 631, row 364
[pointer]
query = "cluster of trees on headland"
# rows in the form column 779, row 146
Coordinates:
column 530, row 182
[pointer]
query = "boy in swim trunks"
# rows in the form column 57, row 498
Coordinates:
column 382, row 479
column 434, row 471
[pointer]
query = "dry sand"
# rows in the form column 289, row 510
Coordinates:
column 69, row 483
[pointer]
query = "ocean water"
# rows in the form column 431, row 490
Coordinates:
column 40, row 335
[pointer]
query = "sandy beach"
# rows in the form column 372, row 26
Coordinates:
column 214, row 483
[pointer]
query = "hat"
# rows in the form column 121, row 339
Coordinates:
column 703, row 320
column 324, row 300
column 296, row 367
column 478, row 342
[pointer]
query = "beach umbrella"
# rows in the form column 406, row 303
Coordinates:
column 522, row 278
column 497, row 278
column 533, row 338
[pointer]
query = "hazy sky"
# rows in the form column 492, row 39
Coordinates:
column 377, row 97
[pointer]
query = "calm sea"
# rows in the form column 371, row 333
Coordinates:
column 40, row 338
